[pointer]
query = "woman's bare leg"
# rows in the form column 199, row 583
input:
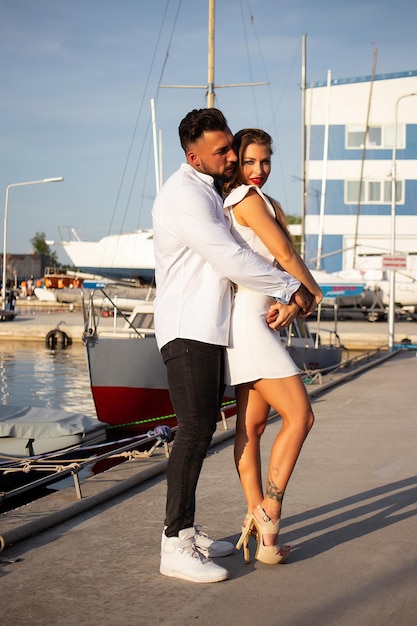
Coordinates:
column 252, row 414
column 289, row 398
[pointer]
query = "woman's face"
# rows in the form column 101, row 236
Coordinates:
column 256, row 164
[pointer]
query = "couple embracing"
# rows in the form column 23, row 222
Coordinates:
column 226, row 263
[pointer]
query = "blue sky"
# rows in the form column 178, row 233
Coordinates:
column 77, row 77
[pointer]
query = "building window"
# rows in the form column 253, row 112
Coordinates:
column 399, row 195
column 354, row 136
column 377, row 136
column 374, row 138
column 373, row 192
column 352, row 192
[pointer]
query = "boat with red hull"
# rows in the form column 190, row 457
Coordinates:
column 128, row 378
column 127, row 375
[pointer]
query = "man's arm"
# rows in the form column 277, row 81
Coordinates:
column 197, row 225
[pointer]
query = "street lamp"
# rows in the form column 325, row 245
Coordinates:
column 391, row 310
column 30, row 182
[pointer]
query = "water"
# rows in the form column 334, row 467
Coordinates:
column 32, row 375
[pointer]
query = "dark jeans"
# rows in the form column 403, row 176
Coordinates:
column 195, row 378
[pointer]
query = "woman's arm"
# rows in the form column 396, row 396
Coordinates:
column 253, row 212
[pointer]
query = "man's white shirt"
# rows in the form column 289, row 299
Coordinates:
column 197, row 260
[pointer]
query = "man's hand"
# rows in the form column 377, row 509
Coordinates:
column 281, row 315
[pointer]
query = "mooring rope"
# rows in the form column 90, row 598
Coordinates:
column 159, row 418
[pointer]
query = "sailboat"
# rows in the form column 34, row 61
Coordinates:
column 130, row 255
column 116, row 257
column 128, row 378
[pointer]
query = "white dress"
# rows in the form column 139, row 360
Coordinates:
column 255, row 351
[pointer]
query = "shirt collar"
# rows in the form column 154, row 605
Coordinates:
column 206, row 177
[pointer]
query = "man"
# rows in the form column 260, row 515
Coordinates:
column 197, row 260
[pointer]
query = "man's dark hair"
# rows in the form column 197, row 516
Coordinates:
column 197, row 122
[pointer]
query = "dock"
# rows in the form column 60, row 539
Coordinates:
column 34, row 320
column 349, row 514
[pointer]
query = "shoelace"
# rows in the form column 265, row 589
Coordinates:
column 199, row 532
column 195, row 552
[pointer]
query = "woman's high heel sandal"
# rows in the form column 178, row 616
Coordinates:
column 249, row 533
column 272, row 555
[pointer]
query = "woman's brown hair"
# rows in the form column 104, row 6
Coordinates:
column 241, row 141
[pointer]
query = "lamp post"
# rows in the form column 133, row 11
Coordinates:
column 391, row 309
column 30, row 182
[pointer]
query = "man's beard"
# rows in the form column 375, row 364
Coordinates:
column 225, row 176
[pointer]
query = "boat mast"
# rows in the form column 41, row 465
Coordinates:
column 210, row 79
column 210, row 87
column 324, row 175
column 303, row 148
column 155, row 147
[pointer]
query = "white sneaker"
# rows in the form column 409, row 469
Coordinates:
column 181, row 558
column 211, row 547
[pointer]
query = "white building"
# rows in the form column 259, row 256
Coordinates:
column 345, row 230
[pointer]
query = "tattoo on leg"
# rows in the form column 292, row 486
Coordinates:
column 273, row 491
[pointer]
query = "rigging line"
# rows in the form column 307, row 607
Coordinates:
column 275, row 112
column 138, row 116
column 248, row 59
column 168, row 49
column 296, row 54
column 365, row 137
column 273, row 122
column 275, row 130
column 134, row 176
column 164, row 64
column 143, row 195
column 252, row 20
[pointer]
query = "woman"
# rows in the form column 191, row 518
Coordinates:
column 257, row 364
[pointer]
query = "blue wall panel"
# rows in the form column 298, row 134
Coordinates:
column 334, row 202
column 330, row 244
column 338, row 152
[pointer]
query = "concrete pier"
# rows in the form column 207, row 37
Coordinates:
column 349, row 514
column 34, row 321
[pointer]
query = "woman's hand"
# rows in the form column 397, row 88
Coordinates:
column 281, row 315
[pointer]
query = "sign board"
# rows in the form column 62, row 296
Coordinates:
column 394, row 262
column 94, row 284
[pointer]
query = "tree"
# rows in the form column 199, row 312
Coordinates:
column 295, row 219
column 40, row 246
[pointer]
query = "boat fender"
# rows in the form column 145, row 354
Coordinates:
column 57, row 339
column 163, row 433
